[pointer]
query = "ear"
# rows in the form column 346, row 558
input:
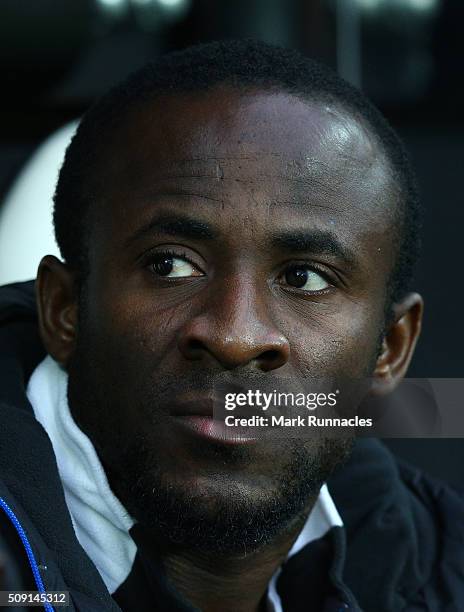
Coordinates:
column 398, row 344
column 57, row 303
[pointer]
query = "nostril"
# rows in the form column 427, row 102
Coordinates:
column 271, row 358
column 195, row 344
column 270, row 355
column 192, row 348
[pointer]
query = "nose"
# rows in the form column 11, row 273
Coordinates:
column 235, row 331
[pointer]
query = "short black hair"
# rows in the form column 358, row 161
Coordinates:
column 242, row 64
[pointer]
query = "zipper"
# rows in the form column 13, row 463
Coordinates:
column 30, row 555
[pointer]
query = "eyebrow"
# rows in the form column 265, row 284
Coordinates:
column 317, row 242
column 174, row 225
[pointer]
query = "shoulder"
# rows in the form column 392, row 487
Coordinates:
column 17, row 300
column 405, row 532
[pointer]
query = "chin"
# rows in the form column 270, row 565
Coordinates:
column 227, row 512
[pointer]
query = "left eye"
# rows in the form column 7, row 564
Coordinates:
column 305, row 278
column 169, row 266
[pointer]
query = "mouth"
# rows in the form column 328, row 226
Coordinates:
column 216, row 430
column 195, row 415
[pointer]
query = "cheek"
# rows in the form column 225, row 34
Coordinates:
column 139, row 326
column 336, row 345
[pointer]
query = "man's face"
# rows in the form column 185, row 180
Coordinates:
column 247, row 233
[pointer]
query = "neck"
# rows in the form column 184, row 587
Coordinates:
column 229, row 583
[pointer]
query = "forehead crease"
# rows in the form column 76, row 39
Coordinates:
column 318, row 187
column 307, row 197
column 304, row 172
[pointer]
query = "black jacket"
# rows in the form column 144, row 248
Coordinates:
column 402, row 547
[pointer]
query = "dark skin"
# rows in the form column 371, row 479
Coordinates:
column 240, row 190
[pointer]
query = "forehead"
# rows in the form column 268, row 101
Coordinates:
column 268, row 128
column 268, row 156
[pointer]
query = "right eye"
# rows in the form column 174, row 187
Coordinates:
column 168, row 265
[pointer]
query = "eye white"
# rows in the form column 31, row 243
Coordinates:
column 181, row 268
column 314, row 282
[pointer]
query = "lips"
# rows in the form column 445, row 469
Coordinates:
column 195, row 414
column 216, row 430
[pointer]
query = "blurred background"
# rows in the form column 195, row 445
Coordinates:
column 407, row 55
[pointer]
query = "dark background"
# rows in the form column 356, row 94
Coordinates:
column 407, row 55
